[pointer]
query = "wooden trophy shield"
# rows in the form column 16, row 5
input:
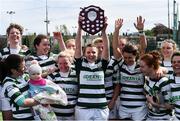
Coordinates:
column 94, row 19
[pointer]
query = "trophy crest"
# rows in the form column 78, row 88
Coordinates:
column 94, row 19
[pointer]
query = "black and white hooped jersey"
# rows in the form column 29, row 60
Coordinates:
column 160, row 90
column 91, row 83
column 70, row 85
column 110, row 79
column 131, row 81
column 15, row 89
column 175, row 94
column 6, row 52
column 167, row 65
column 47, row 63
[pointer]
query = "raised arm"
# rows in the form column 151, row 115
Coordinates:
column 116, row 51
column 58, row 36
column 78, row 50
column 139, row 25
column 106, row 50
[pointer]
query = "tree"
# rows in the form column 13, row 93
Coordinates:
column 63, row 29
column 65, row 32
column 161, row 29
column 148, row 32
column 28, row 41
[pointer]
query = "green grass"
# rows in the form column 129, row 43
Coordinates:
column 0, row 116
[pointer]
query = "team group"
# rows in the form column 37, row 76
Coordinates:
column 131, row 84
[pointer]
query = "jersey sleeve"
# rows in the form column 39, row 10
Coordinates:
column 13, row 93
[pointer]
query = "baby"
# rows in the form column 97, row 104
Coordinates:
column 38, row 84
column 45, row 92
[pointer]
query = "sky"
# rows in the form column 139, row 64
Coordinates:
column 32, row 13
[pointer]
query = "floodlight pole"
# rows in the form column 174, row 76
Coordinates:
column 10, row 13
column 47, row 21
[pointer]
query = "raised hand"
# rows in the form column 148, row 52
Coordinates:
column 57, row 35
column 118, row 23
column 105, row 25
column 80, row 18
column 140, row 23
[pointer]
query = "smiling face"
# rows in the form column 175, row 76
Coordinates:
column 129, row 58
column 167, row 49
column 145, row 69
column 14, row 36
column 64, row 64
column 91, row 54
column 44, row 47
column 176, row 65
column 20, row 70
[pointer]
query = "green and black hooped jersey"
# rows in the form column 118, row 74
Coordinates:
column 6, row 52
column 70, row 86
column 15, row 89
column 160, row 90
column 167, row 65
column 131, row 82
column 91, row 83
column 175, row 94
column 45, row 63
column 110, row 78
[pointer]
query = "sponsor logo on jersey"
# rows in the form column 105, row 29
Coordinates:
column 93, row 77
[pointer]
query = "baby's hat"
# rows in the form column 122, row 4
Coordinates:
column 34, row 68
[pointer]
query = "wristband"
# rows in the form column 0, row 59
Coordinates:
column 141, row 33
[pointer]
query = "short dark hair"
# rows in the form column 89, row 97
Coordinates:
column 38, row 39
column 176, row 53
column 14, row 25
column 88, row 45
column 130, row 48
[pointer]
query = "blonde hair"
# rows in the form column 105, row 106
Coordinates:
column 170, row 41
column 67, row 54
column 70, row 40
column 97, row 40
